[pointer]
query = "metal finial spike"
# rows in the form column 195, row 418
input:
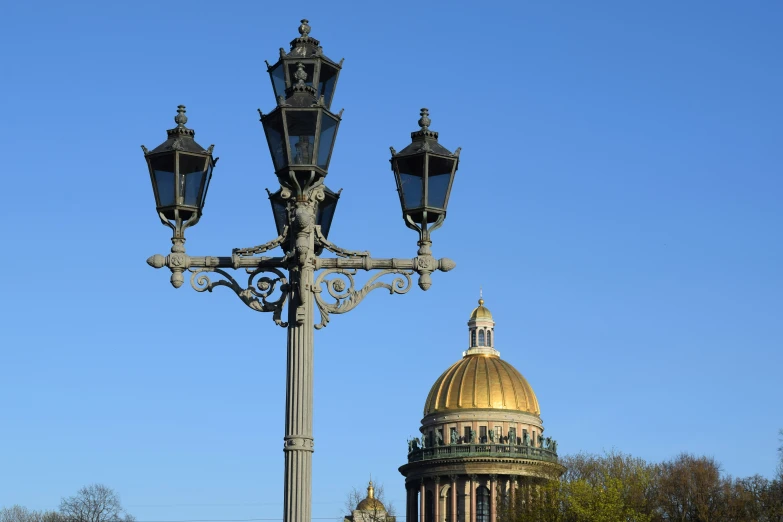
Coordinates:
column 424, row 121
column 304, row 29
column 481, row 296
column 180, row 119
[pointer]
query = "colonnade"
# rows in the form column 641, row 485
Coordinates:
column 452, row 490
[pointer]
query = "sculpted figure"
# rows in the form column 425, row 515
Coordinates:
column 453, row 437
column 438, row 439
column 525, row 439
column 472, row 437
column 492, row 435
column 554, row 446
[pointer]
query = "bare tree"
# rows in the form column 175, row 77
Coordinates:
column 94, row 503
column 780, row 456
column 19, row 513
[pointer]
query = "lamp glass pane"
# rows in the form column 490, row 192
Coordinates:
column 325, row 213
column 301, row 136
column 411, row 171
column 273, row 126
column 163, row 168
column 411, row 190
column 326, row 81
column 206, row 183
column 192, row 171
column 279, row 212
column 328, row 130
column 439, row 179
column 278, row 79
column 309, row 69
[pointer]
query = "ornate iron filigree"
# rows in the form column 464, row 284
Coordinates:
column 263, row 248
column 255, row 295
column 331, row 247
column 343, row 290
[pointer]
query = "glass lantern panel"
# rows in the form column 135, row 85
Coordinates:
column 163, row 170
column 273, row 126
column 301, row 136
column 326, row 81
column 411, row 170
column 192, row 171
column 279, row 212
column 328, row 130
column 326, row 210
column 309, row 69
column 277, row 73
column 439, row 174
column 206, row 183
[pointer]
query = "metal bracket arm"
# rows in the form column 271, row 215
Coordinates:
column 177, row 260
column 443, row 264
column 256, row 295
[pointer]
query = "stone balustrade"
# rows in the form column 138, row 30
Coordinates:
column 482, row 450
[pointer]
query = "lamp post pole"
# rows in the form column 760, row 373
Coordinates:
column 298, row 447
column 300, row 133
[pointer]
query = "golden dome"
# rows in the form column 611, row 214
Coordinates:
column 371, row 503
column 481, row 381
column 480, row 312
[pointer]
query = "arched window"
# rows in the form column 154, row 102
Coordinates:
column 489, row 337
column 481, row 337
column 482, row 504
column 473, row 338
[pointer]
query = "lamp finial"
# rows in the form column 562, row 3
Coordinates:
column 424, row 121
column 180, row 119
column 304, row 29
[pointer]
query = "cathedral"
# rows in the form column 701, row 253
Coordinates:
column 482, row 439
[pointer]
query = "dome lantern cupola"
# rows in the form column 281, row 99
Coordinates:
column 371, row 503
column 481, row 331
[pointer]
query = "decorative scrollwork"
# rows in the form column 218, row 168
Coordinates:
column 263, row 248
column 342, row 290
column 331, row 247
column 257, row 293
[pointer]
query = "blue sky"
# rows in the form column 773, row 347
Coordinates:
column 618, row 199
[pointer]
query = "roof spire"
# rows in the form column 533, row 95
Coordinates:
column 370, row 489
column 481, row 296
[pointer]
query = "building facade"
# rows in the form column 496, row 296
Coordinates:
column 482, row 439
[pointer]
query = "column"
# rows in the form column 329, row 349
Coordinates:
column 298, row 440
column 513, row 487
column 422, row 501
column 436, row 500
column 473, row 498
column 410, row 503
column 454, row 494
column 493, row 488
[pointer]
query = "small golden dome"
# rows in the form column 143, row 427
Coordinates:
column 481, row 381
column 480, row 312
column 371, row 503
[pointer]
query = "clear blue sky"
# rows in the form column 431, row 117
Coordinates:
column 618, row 199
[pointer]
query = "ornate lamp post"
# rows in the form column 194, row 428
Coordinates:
column 300, row 132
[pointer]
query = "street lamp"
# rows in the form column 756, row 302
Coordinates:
column 301, row 132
